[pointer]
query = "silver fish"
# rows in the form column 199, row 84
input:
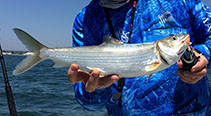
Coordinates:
column 111, row 57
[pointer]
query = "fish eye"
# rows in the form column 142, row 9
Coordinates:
column 174, row 38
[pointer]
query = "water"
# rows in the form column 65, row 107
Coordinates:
column 41, row 91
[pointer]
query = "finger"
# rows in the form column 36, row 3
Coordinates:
column 82, row 76
column 75, row 75
column 115, row 77
column 188, row 81
column 202, row 63
column 72, row 73
column 92, row 82
column 180, row 73
column 190, row 77
column 198, row 74
column 179, row 63
column 107, row 81
column 183, row 78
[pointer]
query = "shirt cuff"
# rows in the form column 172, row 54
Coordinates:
column 204, row 50
column 93, row 100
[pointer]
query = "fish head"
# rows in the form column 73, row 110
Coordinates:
column 172, row 48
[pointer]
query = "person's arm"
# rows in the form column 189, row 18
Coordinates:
column 91, row 90
column 200, row 21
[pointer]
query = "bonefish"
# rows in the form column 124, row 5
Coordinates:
column 111, row 57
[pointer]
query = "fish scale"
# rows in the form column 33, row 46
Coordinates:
column 130, row 61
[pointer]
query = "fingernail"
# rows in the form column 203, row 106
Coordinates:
column 115, row 77
column 95, row 74
column 74, row 68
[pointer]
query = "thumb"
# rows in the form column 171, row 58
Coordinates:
column 179, row 63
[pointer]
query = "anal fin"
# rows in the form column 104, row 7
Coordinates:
column 150, row 75
column 59, row 64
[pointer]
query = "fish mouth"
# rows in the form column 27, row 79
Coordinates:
column 186, row 40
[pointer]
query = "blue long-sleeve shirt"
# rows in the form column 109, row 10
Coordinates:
column 164, row 93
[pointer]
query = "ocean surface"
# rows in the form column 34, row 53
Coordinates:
column 42, row 91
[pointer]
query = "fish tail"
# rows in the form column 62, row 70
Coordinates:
column 33, row 46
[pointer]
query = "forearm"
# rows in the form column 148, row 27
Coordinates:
column 204, row 49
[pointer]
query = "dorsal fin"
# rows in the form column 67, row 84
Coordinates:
column 111, row 40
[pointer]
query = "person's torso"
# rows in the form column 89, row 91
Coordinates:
column 164, row 92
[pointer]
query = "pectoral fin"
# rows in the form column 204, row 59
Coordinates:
column 152, row 67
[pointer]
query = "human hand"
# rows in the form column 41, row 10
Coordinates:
column 197, row 72
column 91, row 80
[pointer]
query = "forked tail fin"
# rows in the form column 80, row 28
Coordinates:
column 33, row 46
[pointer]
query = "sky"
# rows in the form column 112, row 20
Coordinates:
column 48, row 21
